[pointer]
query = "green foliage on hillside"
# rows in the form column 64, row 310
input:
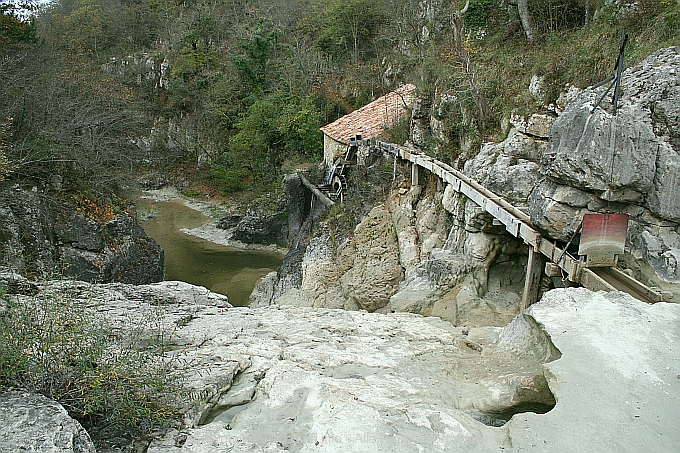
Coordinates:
column 97, row 90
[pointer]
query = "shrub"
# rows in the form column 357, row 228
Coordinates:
column 53, row 345
column 5, row 147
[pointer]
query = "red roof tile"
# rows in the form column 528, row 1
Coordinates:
column 371, row 119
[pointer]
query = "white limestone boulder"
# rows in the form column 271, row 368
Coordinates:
column 30, row 422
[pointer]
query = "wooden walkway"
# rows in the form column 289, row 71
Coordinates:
column 518, row 224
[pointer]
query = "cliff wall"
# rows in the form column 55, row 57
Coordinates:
column 428, row 250
column 40, row 236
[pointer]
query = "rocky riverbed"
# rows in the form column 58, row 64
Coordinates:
column 330, row 380
column 296, row 379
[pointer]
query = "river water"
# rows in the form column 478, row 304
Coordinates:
column 225, row 270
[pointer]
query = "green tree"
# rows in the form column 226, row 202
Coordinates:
column 77, row 28
column 299, row 124
column 252, row 63
column 15, row 28
column 271, row 130
column 347, row 27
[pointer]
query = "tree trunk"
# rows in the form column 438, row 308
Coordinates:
column 587, row 14
column 527, row 21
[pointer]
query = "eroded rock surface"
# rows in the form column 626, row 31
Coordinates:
column 30, row 422
column 362, row 274
column 617, row 382
column 451, row 245
column 629, row 163
column 304, row 379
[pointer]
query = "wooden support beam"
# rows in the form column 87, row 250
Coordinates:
column 320, row 195
column 532, row 281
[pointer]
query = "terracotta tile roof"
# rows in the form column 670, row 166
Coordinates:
column 372, row 118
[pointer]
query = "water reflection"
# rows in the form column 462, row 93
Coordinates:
column 221, row 269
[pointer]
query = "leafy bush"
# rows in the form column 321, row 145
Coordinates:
column 477, row 14
column 271, row 131
column 53, row 345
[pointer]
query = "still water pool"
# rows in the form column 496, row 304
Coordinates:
column 224, row 270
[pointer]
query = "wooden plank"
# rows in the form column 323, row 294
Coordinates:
column 594, row 282
column 621, row 281
column 320, row 195
column 529, row 235
column 532, row 280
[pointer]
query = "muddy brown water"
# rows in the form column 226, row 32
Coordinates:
column 225, row 270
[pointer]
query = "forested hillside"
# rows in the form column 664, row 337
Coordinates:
column 96, row 91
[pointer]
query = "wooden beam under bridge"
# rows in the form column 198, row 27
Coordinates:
column 320, row 195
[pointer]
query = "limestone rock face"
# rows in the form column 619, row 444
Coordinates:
column 263, row 293
column 598, row 151
column 536, row 125
column 375, row 270
column 129, row 256
column 614, row 349
column 37, row 239
column 362, row 274
column 628, row 163
column 299, row 379
column 511, row 168
column 25, row 241
column 451, row 278
column 320, row 275
column 296, row 379
column 558, row 209
column 631, row 157
column 30, row 422
column 292, row 379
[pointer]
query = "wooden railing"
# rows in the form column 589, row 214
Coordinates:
column 518, row 224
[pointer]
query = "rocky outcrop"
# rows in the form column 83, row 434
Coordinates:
column 342, row 380
column 272, row 222
column 362, row 274
column 453, row 269
column 511, row 168
column 37, row 237
column 295, row 375
column 26, row 240
column 613, row 349
column 30, row 422
column 629, row 162
column 460, row 266
column 299, row 379
column 118, row 251
column 265, row 230
column 423, row 252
